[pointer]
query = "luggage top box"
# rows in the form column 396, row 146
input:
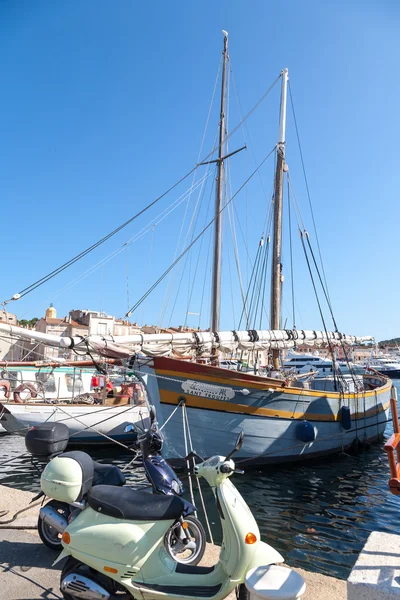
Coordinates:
column 47, row 439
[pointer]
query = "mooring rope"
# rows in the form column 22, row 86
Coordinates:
column 197, row 479
column 187, row 461
column 48, row 591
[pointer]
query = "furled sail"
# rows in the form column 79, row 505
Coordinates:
column 187, row 343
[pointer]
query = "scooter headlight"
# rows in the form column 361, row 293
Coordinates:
column 176, row 487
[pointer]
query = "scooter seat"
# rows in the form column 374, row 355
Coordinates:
column 132, row 505
column 107, row 475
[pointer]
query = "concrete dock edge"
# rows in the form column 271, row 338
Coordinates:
column 26, row 571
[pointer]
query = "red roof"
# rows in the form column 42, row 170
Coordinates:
column 50, row 321
column 65, row 322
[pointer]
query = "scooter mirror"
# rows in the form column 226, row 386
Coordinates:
column 239, row 441
column 152, row 413
column 129, row 428
column 238, row 445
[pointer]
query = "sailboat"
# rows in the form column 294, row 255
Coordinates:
column 204, row 406
column 33, row 392
column 282, row 420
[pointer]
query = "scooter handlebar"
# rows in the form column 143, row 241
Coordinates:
column 194, row 455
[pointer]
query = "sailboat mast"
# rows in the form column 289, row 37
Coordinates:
column 219, row 188
column 276, row 280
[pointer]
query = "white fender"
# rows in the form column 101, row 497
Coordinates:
column 64, row 553
column 266, row 555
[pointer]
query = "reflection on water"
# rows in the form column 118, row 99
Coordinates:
column 317, row 514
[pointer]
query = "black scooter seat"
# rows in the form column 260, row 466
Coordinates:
column 94, row 473
column 132, row 505
column 107, row 475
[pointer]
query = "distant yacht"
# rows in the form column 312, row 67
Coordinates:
column 385, row 364
column 304, row 363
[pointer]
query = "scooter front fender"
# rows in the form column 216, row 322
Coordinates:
column 189, row 509
column 266, row 555
column 64, row 553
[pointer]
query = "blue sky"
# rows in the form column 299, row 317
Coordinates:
column 104, row 106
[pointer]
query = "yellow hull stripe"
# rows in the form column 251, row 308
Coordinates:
column 262, row 386
column 222, row 406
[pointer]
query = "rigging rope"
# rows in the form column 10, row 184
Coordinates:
column 127, row 276
column 205, row 278
column 291, row 255
column 254, row 296
column 198, row 236
column 264, row 280
column 96, row 431
column 167, row 295
column 248, row 290
column 82, row 254
column 148, row 265
column 192, row 228
column 197, row 479
column 304, row 232
column 30, row 288
column 336, row 376
column 231, row 284
column 331, row 311
column 236, row 251
column 186, row 454
column 306, row 182
column 154, row 222
column 197, row 264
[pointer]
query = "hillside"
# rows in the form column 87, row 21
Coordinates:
column 392, row 342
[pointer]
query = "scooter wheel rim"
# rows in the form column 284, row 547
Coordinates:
column 51, row 534
column 179, row 555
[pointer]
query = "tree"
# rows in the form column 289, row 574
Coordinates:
column 29, row 324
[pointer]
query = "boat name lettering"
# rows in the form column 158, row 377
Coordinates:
column 206, row 390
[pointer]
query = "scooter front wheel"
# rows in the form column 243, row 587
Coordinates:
column 188, row 545
column 242, row 593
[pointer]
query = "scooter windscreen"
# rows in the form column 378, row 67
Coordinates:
column 163, row 478
column 155, row 439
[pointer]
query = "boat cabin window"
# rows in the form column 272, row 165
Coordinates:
column 74, row 386
column 48, row 381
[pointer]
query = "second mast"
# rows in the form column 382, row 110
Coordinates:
column 216, row 276
column 276, row 279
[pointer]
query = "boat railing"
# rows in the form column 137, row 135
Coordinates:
column 392, row 447
column 44, row 386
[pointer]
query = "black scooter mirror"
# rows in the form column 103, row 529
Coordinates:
column 152, row 413
column 239, row 441
column 238, row 445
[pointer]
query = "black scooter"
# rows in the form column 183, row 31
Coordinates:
column 186, row 540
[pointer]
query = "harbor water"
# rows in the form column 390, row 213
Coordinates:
column 318, row 514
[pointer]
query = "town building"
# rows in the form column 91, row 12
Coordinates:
column 10, row 349
column 67, row 326
column 96, row 322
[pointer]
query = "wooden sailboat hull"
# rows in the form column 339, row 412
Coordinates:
column 79, row 419
column 221, row 403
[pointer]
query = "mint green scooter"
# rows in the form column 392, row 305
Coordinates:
column 116, row 551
